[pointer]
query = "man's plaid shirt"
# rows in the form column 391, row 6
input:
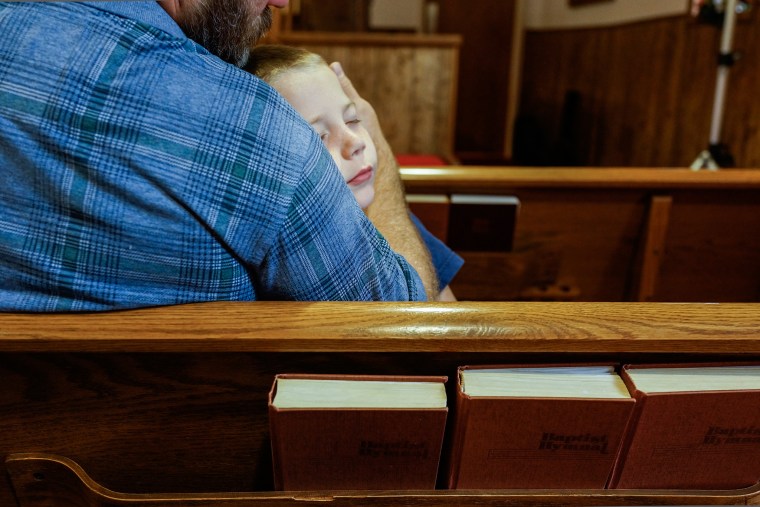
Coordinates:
column 136, row 169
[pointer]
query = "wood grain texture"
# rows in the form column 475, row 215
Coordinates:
column 644, row 93
column 492, row 180
column 486, row 76
column 653, row 249
column 391, row 327
column 411, row 80
column 174, row 399
column 580, row 232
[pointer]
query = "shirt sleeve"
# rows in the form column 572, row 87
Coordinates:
column 445, row 261
column 327, row 249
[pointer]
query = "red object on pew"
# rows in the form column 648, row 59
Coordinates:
column 413, row 159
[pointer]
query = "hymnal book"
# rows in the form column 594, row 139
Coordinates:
column 482, row 223
column 523, row 427
column 336, row 432
column 695, row 427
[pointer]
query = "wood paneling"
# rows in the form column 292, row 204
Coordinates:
column 332, row 16
column 590, row 234
column 411, row 80
column 487, row 30
column 636, row 95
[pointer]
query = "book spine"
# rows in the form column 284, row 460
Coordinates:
column 628, row 436
column 274, row 436
column 458, row 437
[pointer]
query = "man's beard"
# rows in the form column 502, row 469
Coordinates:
column 227, row 28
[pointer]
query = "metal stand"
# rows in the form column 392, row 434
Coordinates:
column 717, row 154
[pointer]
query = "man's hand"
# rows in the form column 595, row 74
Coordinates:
column 389, row 211
column 364, row 109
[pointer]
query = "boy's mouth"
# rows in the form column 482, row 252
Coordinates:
column 362, row 176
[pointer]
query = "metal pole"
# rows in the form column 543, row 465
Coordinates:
column 727, row 37
column 707, row 159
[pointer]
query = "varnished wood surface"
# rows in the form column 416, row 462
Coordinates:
column 496, row 179
column 391, row 327
column 580, row 232
column 174, row 399
column 489, row 72
column 653, row 247
column 411, row 80
column 40, row 478
column 645, row 93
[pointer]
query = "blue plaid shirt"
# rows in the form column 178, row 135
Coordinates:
column 137, row 169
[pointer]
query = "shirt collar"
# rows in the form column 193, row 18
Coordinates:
column 143, row 11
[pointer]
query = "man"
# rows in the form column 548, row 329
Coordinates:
column 138, row 169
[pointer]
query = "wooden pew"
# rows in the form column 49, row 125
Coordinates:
column 167, row 406
column 612, row 234
column 410, row 79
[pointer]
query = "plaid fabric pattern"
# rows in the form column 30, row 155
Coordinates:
column 136, row 169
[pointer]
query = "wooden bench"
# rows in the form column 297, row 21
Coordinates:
column 167, row 406
column 611, row 234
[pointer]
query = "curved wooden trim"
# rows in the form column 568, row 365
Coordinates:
column 395, row 327
column 496, row 179
column 39, row 477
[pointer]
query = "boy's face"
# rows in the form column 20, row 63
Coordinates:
column 317, row 96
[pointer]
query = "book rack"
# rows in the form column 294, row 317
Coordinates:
column 167, row 406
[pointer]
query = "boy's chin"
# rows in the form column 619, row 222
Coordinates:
column 365, row 196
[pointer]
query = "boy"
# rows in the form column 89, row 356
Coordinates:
column 306, row 81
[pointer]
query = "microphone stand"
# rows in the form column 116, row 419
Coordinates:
column 717, row 154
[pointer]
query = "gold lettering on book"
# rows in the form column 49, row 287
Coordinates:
column 719, row 435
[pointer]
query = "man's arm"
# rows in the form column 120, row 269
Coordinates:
column 389, row 212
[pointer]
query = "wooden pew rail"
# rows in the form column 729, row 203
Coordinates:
column 167, row 406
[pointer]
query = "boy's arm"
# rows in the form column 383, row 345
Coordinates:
column 389, row 212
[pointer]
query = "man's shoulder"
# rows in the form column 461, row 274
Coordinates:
column 147, row 13
column 112, row 13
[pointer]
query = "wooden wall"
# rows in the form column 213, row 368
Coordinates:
column 411, row 80
column 636, row 95
column 483, row 132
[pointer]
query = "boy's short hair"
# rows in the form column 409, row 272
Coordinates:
column 267, row 61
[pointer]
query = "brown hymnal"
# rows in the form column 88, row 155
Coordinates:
column 537, row 427
column 335, row 432
column 695, row 427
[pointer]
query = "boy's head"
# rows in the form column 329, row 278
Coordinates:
column 313, row 89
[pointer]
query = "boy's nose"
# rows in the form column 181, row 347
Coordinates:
column 353, row 146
